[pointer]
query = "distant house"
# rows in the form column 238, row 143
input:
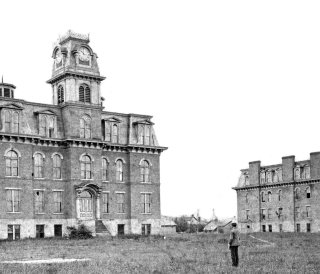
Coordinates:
column 168, row 226
column 218, row 226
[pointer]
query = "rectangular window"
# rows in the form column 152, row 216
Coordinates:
column 120, row 202
column 146, row 229
column 308, row 227
column 247, row 214
column 145, row 203
column 270, row 228
column 13, row 200
column 263, row 228
column 39, row 231
column 298, row 227
column 279, row 212
column 147, row 135
column 105, row 200
column 39, row 201
column 280, row 228
column 57, row 230
column 297, row 211
column 13, row 232
column 57, row 200
column 269, row 213
column 107, row 129
column 263, row 214
column 308, row 211
column 120, row 229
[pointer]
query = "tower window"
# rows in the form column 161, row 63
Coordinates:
column 60, row 95
column 84, row 94
column 6, row 92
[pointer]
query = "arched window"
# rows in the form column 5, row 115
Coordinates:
column 7, row 121
column 114, row 134
column 56, row 166
column 247, row 197
column 86, row 172
column 262, row 197
column 104, row 169
column 144, row 171
column 60, row 94
column 119, row 173
column 279, row 195
column 269, row 196
column 85, row 127
column 38, row 165
column 11, row 163
column 84, row 94
column 297, row 193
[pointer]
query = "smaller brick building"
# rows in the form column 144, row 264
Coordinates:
column 282, row 197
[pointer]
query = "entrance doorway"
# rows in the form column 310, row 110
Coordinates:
column 86, row 208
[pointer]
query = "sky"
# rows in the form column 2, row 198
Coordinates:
column 227, row 82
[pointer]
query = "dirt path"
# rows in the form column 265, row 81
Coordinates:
column 261, row 240
column 47, row 261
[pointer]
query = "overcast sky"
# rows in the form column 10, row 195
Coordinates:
column 228, row 82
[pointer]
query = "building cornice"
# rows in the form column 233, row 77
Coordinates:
column 73, row 74
column 81, row 143
column 291, row 183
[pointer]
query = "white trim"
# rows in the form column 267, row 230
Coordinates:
column 13, row 149
column 56, row 153
column 58, row 213
column 104, row 191
column 120, row 158
column 119, row 192
column 144, row 159
column 39, row 189
column 104, row 157
column 39, row 152
column 86, row 154
column 57, row 190
column 146, row 192
column 13, row 188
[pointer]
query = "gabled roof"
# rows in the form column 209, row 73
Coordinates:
column 46, row 111
column 144, row 122
column 12, row 106
column 113, row 119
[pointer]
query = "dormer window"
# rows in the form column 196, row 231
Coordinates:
column 84, row 94
column 47, row 123
column 11, row 121
column 112, row 130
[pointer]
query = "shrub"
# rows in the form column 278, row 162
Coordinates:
column 82, row 232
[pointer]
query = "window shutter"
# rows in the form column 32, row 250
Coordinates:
column 87, row 95
column 81, row 94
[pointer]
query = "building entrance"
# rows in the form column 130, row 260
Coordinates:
column 86, row 208
column 88, row 202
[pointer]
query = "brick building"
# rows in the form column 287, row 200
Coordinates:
column 282, row 197
column 71, row 162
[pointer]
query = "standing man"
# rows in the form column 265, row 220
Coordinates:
column 234, row 243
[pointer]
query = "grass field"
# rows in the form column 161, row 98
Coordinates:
column 187, row 253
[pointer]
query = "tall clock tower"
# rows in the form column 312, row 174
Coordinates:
column 75, row 73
